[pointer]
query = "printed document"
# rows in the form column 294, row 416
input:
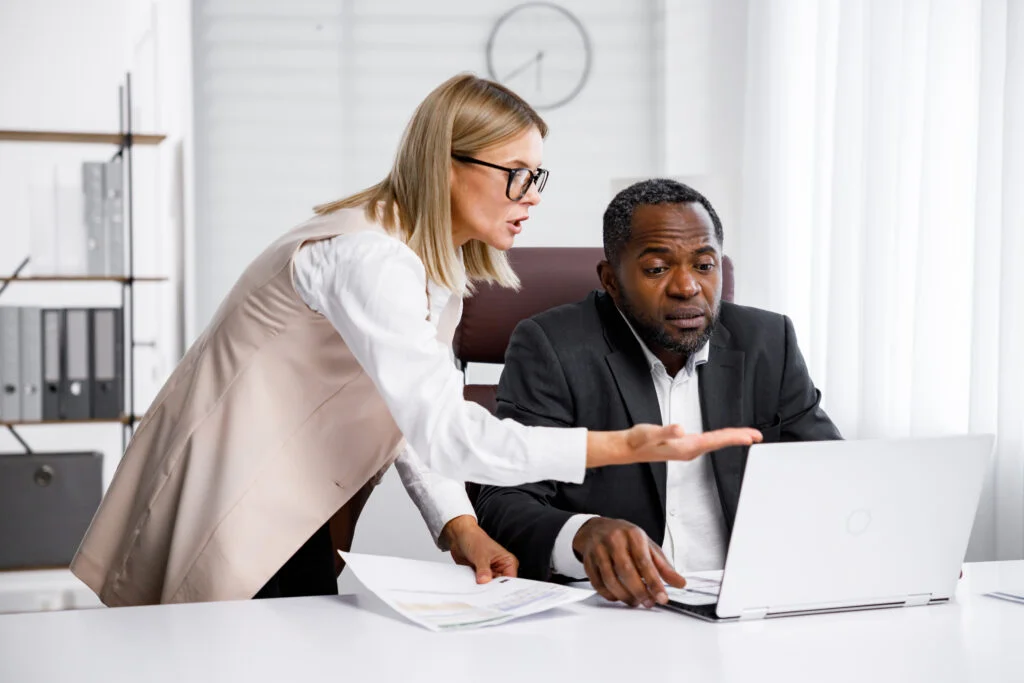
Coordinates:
column 444, row 597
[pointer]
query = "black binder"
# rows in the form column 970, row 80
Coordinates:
column 52, row 336
column 76, row 383
column 107, row 369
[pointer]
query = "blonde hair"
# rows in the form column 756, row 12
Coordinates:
column 463, row 115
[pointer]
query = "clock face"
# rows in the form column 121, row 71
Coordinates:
column 542, row 52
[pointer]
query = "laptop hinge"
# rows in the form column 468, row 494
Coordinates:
column 750, row 613
column 917, row 599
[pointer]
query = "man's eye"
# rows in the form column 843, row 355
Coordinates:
column 706, row 267
column 657, row 270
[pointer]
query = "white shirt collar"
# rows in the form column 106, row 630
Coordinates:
column 695, row 359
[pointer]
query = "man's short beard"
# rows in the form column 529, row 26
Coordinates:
column 656, row 337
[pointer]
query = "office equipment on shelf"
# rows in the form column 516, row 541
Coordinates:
column 31, row 363
column 107, row 363
column 113, row 217
column 10, row 361
column 103, row 198
column 93, row 173
column 53, row 334
column 76, row 383
column 46, row 503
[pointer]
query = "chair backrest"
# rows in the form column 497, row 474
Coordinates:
column 550, row 276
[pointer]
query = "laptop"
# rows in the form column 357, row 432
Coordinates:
column 831, row 526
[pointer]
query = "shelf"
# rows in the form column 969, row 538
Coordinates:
column 86, row 138
column 81, row 278
column 22, row 423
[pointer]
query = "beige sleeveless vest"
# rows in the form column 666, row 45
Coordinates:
column 263, row 432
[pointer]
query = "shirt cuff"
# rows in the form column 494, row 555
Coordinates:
column 563, row 559
column 560, row 453
column 439, row 499
column 450, row 501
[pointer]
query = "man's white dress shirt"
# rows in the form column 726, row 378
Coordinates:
column 695, row 536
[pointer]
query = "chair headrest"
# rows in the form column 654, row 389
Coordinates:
column 550, row 276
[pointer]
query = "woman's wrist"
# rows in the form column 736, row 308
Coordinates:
column 606, row 448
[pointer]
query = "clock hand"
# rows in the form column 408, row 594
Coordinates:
column 523, row 67
column 540, row 58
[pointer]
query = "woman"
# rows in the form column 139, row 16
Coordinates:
column 255, row 459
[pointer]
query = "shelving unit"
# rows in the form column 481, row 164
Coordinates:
column 124, row 141
column 80, row 138
column 85, row 278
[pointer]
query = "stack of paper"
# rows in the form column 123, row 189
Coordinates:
column 445, row 597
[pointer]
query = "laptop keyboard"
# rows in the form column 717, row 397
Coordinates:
column 700, row 590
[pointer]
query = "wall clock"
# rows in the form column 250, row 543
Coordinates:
column 542, row 52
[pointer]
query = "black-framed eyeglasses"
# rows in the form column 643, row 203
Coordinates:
column 519, row 179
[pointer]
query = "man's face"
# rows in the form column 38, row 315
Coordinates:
column 668, row 282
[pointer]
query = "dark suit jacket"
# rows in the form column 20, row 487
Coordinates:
column 579, row 365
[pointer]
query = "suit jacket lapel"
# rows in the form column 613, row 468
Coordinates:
column 721, row 389
column 633, row 377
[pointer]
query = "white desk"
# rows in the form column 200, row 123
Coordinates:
column 356, row 638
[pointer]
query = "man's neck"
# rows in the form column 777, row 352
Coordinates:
column 673, row 361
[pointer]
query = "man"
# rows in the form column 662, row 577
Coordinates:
column 658, row 345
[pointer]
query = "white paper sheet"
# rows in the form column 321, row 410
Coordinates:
column 445, row 597
column 1016, row 596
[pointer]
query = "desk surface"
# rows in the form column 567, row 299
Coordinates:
column 356, row 638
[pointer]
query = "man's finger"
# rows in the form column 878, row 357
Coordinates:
column 596, row 580
column 668, row 573
column 626, row 571
column 642, row 558
column 611, row 581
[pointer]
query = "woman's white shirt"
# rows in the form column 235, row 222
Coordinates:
column 374, row 291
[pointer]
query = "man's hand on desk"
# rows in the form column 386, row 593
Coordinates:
column 624, row 564
column 472, row 547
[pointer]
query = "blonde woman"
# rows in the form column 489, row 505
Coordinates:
column 329, row 360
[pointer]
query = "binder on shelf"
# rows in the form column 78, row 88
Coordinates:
column 76, row 387
column 47, row 501
column 10, row 362
column 53, row 339
column 113, row 211
column 107, row 363
column 93, row 174
column 31, row 364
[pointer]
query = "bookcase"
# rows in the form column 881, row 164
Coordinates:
column 121, row 329
column 123, row 143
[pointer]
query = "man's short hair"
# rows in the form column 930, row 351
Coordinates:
column 618, row 217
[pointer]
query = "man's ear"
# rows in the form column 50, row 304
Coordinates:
column 610, row 282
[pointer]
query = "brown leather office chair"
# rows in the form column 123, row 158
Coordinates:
column 550, row 276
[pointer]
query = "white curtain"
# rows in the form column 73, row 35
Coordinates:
column 882, row 208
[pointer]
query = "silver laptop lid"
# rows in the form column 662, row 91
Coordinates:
column 827, row 525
